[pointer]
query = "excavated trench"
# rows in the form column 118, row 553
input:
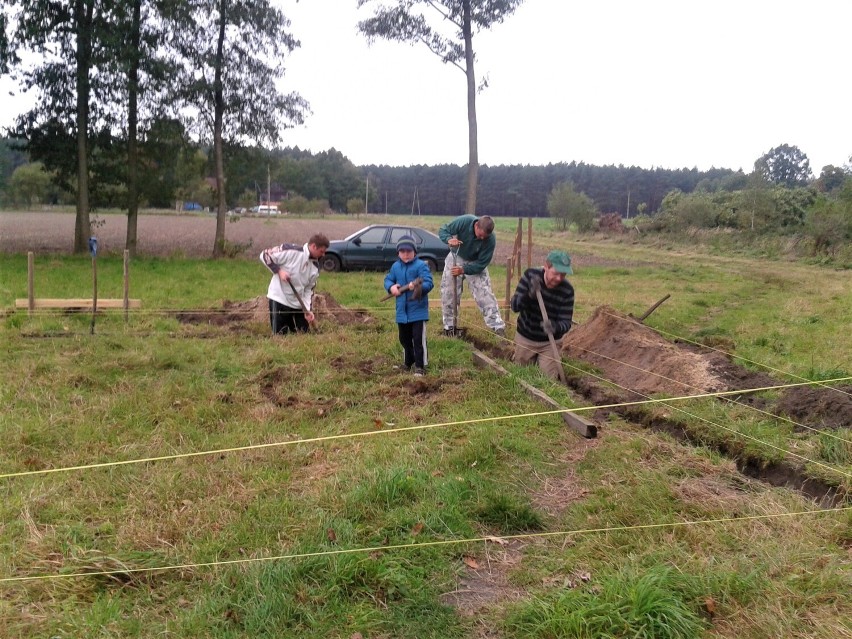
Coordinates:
column 640, row 363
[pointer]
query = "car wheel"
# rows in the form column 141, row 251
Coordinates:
column 432, row 264
column 330, row 263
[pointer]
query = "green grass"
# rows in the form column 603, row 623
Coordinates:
column 618, row 558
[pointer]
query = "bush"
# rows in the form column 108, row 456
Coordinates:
column 611, row 223
column 568, row 206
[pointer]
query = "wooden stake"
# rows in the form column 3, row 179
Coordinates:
column 30, row 283
column 520, row 244
column 508, row 289
column 94, row 293
column 529, row 242
column 126, row 284
column 651, row 310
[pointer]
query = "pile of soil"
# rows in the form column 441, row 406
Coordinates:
column 256, row 311
column 639, row 359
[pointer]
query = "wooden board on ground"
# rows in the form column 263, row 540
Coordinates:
column 76, row 303
column 582, row 425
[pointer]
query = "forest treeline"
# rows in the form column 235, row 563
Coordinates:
column 174, row 171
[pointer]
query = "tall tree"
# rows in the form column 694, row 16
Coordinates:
column 421, row 21
column 142, row 80
column 68, row 36
column 236, row 56
column 6, row 53
column 784, row 165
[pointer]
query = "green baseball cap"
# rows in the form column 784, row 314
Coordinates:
column 561, row 261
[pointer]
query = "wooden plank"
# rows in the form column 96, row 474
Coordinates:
column 76, row 303
column 583, row 426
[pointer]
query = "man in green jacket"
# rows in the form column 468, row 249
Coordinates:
column 473, row 239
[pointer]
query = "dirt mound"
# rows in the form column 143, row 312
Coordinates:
column 639, row 359
column 326, row 308
column 256, row 311
column 817, row 406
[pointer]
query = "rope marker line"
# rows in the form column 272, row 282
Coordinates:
column 384, row 431
column 731, row 355
column 425, row 544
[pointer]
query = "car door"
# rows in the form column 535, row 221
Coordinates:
column 367, row 249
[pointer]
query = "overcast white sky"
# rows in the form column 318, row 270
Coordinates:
column 666, row 83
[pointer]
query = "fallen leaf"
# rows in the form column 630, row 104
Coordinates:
column 497, row 540
column 418, row 528
column 320, row 412
column 332, row 536
column 379, row 423
column 470, row 562
column 710, row 605
column 437, row 473
column 585, row 576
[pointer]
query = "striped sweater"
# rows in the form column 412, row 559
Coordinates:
column 559, row 303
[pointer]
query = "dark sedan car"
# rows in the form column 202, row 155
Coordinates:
column 374, row 247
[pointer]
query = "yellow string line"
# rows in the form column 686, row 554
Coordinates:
column 424, row 544
column 745, row 359
column 730, row 401
column 387, row 431
column 712, row 423
column 733, row 401
column 825, row 433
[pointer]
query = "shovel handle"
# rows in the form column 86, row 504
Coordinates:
column 556, row 354
column 298, row 297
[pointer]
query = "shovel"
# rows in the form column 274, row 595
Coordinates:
column 298, row 297
column 557, row 356
column 456, row 331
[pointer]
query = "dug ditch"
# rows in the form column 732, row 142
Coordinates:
column 641, row 363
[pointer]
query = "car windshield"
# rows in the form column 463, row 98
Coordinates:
column 352, row 236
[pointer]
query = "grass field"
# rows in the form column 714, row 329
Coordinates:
column 301, row 487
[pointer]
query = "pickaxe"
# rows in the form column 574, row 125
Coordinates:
column 412, row 285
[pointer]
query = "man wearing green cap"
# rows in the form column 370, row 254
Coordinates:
column 531, row 336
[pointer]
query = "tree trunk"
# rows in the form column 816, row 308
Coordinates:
column 82, row 226
column 132, row 123
column 473, row 145
column 219, row 109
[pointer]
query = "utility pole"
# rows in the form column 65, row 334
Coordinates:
column 628, row 204
column 367, row 195
column 268, row 187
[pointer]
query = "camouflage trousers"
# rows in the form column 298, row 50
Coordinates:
column 480, row 288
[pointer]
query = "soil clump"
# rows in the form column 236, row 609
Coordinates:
column 256, row 311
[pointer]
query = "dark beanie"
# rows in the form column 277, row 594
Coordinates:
column 406, row 241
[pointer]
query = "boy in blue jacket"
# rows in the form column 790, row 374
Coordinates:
column 410, row 281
